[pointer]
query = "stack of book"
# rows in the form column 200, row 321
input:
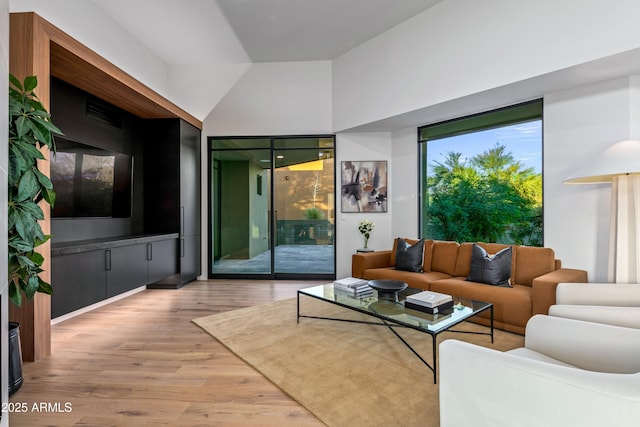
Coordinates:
column 353, row 286
column 429, row 302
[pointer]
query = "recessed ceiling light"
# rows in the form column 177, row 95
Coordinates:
column 280, row 157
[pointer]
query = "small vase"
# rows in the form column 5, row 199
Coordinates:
column 366, row 242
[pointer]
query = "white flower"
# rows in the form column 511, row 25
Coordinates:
column 366, row 227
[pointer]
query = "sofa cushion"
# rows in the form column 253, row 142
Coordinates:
column 531, row 262
column 511, row 305
column 490, row 269
column 409, row 257
column 445, row 256
column 428, row 251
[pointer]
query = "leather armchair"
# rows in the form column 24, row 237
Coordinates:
column 611, row 303
column 569, row 373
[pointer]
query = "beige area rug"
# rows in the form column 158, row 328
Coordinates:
column 346, row 374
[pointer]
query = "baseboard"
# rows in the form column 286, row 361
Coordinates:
column 96, row 305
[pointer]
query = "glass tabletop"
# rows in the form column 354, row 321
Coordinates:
column 395, row 310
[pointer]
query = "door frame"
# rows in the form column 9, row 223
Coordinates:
column 273, row 275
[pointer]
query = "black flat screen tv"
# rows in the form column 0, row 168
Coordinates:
column 90, row 182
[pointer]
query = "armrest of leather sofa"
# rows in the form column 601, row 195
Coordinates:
column 628, row 317
column 585, row 345
column 481, row 386
column 364, row 261
column 543, row 293
column 609, row 294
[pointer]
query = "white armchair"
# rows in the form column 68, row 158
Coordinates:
column 611, row 303
column 570, row 373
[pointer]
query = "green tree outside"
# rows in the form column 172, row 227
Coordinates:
column 491, row 197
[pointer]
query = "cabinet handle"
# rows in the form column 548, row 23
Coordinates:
column 107, row 260
column 181, row 220
column 149, row 251
column 181, row 248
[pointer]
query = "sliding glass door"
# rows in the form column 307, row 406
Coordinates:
column 272, row 208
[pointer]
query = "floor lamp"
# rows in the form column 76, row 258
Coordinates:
column 619, row 165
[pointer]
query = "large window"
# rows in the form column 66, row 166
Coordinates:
column 481, row 177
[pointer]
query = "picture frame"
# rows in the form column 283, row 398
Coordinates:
column 364, row 186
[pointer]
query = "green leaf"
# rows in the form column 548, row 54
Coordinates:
column 33, row 209
column 37, row 258
column 32, row 286
column 44, row 287
column 41, row 135
column 30, row 150
column 15, row 82
column 30, row 83
column 14, row 294
column 30, row 128
column 21, row 246
column 26, row 262
column 44, row 239
column 28, row 186
column 47, row 126
column 49, row 196
column 43, row 179
column 19, row 224
column 17, row 165
column 22, row 126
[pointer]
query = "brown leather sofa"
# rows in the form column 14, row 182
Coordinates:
column 535, row 273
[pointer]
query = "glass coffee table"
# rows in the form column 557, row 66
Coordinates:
column 392, row 313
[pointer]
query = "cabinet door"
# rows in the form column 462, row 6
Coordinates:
column 126, row 268
column 163, row 259
column 78, row 280
column 189, row 258
column 189, row 180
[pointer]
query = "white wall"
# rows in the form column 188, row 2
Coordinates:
column 292, row 98
column 196, row 88
column 443, row 54
column 578, row 123
column 404, row 184
column 362, row 147
column 86, row 23
column 288, row 98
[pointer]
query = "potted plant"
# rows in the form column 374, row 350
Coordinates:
column 312, row 214
column 30, row 129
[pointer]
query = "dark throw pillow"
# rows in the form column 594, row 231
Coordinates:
column 490, row 269
column 409, row 257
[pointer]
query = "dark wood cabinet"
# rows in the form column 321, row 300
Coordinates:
column 162, row 256
column 127, row 268
column 172, row 191
column 90, row 272
column 79, row 281
column 190, row 183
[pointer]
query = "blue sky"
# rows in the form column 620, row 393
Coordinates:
column 523, row 141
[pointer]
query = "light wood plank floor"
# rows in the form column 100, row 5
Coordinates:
column 141, row 362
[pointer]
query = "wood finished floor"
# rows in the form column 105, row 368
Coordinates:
column 141, row 361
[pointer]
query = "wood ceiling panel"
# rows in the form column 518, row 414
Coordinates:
column 79, row 73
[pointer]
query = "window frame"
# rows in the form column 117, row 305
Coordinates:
column 509, row 115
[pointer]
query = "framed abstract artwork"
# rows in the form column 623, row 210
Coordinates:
column 364, row 186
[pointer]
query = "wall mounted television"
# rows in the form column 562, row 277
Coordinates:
column 90, row 182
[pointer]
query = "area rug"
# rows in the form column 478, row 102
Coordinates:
column 346, row 374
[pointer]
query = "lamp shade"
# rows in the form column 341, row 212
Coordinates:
column 621, row 158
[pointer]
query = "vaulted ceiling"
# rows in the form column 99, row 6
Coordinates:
column 185, row 32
